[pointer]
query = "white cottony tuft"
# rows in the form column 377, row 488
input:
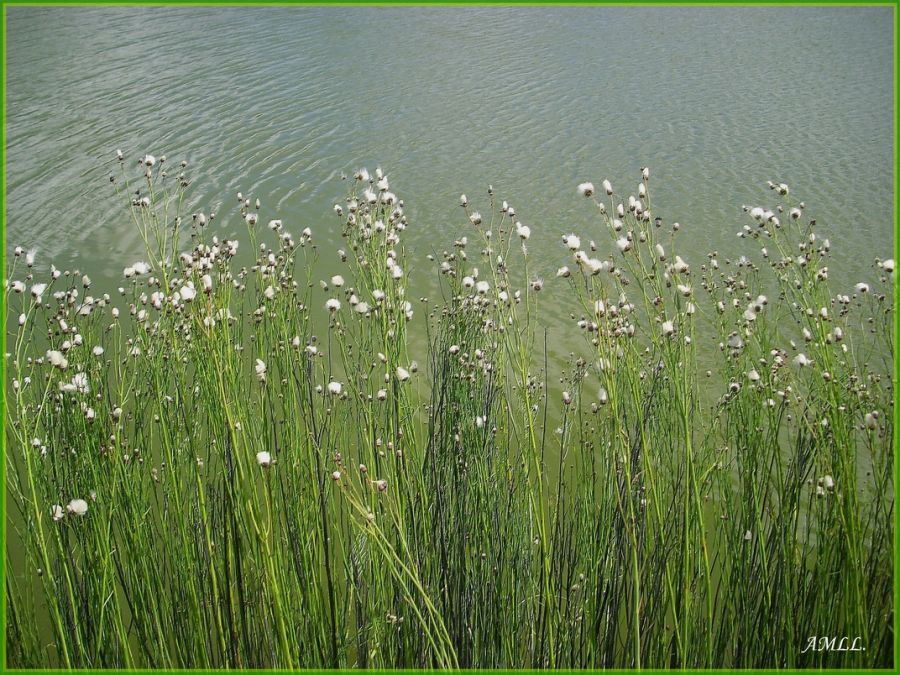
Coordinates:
column 801, row 360
column 586, row 189
column 572, row 242
column 594, row 266
column 337, row 281
column 668, row 328
column 38, row 290
column 57, row 359
column 264, row 459
column 260, row 370
column 402, row 374
column 80, row 383
column 335, row 388
column 77, row 507
column 333, row 305
column 188, row 292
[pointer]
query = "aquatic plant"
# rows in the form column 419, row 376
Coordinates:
column 229, row 465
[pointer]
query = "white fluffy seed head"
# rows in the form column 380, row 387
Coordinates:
column 77, row 507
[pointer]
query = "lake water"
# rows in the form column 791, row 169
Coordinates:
column 277, row 102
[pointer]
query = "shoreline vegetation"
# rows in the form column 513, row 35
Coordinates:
column 242, row 466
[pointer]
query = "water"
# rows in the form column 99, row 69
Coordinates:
column 277, row 102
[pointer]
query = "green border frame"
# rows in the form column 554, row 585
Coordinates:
column 405, row 3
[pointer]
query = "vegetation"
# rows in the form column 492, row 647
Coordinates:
column 210, row 471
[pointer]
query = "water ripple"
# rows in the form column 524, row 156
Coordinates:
column 277, row 102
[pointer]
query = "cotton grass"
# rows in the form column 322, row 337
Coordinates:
column 228, row 465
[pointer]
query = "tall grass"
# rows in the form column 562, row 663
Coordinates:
column 210, row 470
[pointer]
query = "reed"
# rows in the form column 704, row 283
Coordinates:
column 239, row 466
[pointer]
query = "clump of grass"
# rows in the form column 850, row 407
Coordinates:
column 234, row 464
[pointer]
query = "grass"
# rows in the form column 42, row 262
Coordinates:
column 269, row 484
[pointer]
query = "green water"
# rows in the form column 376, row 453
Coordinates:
column 277, row 102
